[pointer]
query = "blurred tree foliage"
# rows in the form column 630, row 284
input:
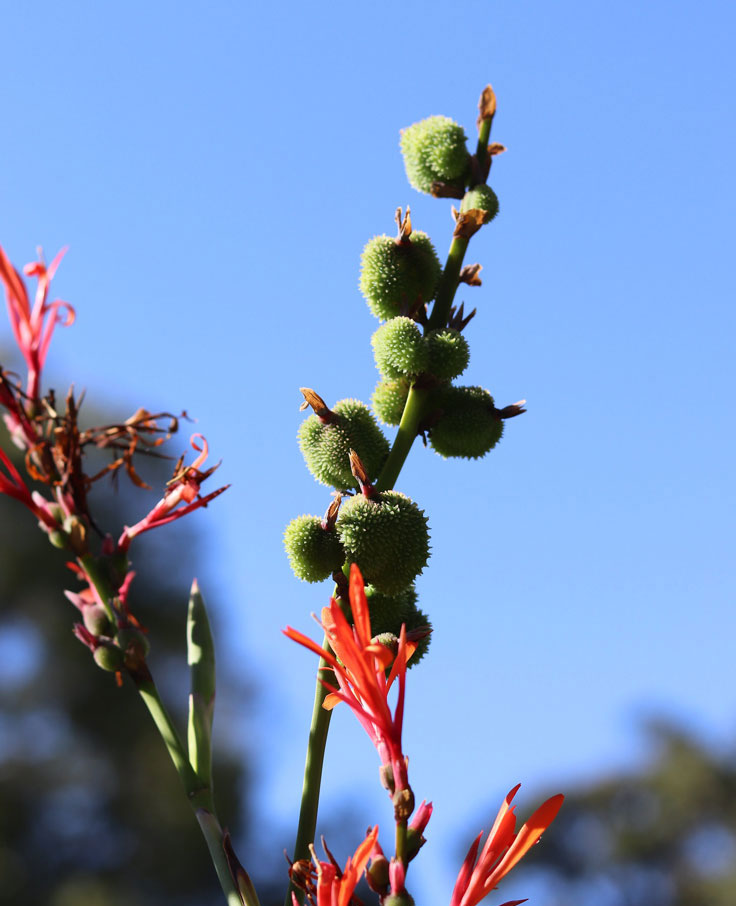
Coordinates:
column 91, row 809
column 665, row 836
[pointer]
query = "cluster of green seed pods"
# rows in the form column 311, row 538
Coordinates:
column 383, row 531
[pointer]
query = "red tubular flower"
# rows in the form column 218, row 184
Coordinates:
column 13, row 486
column 502, row 850
column 33, row 326
column 182, row 489
column 335, row 888
column 359, row 665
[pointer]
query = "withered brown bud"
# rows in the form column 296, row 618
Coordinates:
column 404, row 224
column 320, row 407
column 403, row 801
column 486, row 105
column 469, row 274
column 511, row 411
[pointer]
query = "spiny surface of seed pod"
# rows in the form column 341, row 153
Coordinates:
column 387, row 536
column 400, row 349
column 481, row 198
column 314, row 552
column 449, row 353
column 389, row 399
column 388, row 612
column 398, row 277
column 326, row 447
column 434, row 151
column 468, row 426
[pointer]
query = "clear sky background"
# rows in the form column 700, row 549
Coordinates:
column 217, row 168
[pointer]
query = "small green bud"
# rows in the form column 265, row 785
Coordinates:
column 387, row 537
column 326, row 445
column 109, row 658
column 96, row 619
column 400, row 349
column 468, row 426
column 449, row 353
column 398, row 899
column 58, row 538
column 133, row 643
column 389, row 399
column 314, row 553
column 481, row 198
column 377, row 874
column 397, row 277
column 434, row 151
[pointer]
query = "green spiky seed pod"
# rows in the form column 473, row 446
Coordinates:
column 326, row 446
column 449, row 353
column 109, row 658
column 468, row 426
column 389, row 399
column 400, row 349
column 388, row 612
column 387, row 537
column 434, row 151
column 397, row 277
column 481, row 198
column 314, row 552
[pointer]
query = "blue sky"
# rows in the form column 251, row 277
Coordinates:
column 216, row 171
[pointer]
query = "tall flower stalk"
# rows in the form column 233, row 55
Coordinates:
column 372, row 540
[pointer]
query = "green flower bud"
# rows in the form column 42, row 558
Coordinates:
column 314, row 552
column 449, row 353
column 326, row 446
column 58, row 538
column 400, row 349
column 109, row 658
column 388, row 612
column 133, row 643
column 96, row 620
column 396, row 277
column 389, row 399
column 398, row 899
column 387, row 537
column 434, row 151
column 468, row 426
column 481, row 198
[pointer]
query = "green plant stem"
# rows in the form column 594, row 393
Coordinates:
column 484, row 135
column 213, row 835
column 199, row 795
column 401, row 841
column 415, row 410
column 448, row 283
column 312, row 775
column 411, row 419
column 99, row 582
